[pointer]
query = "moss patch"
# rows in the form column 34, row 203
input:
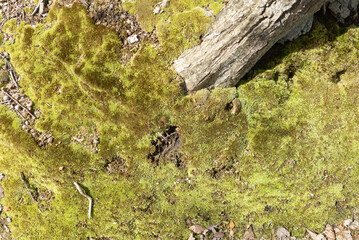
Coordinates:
column 287, row 159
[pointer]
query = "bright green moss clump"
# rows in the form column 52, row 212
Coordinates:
column 288, row 158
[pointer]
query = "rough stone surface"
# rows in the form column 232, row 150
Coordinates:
column 242, row 33
column 343, row 9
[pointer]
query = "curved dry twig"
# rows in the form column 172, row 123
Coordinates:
column 86, row 196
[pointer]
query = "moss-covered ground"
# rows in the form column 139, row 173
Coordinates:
column 288, row 158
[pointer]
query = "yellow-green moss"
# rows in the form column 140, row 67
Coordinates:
column 179, row 26
column 287, row 159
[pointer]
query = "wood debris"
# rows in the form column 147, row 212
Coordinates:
column 79, row 189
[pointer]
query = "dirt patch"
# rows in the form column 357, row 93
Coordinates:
column 166, row 148
column 14, row 98
column 89, row 138
column 109, row 13
column 116, row 166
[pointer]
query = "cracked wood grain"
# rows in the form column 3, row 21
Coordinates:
column 241, row 34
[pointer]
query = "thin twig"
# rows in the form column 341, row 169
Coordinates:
column 27, row 110
column 86, row 196
column 19, row 236
column 36, row 9
column 12, row 73
column 27, row 186
column 19, row 113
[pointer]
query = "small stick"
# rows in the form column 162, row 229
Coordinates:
column 27, row 110
column 12, row 73
column 19, row 113
column 36, row 9
column 86, row 196
column 27, row 186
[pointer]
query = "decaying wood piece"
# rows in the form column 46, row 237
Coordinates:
column 241, row 34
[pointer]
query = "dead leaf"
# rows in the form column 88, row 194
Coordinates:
column 249, row 234
column 342, row 234
column 191, row 237
column 329, row 232
column 231, row 225
column 315, row 236
column 6, row 208
column 198, row 229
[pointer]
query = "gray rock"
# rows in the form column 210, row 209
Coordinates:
column 132, row 39
column 4, row 77
column 165, row 4
column 343, row 9
column 283, row 234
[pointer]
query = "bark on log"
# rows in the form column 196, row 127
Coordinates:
column 241, row 34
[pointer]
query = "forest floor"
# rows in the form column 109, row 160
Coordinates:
column 163, row 146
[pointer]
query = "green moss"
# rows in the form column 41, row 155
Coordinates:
column 180, row 26
column 182, row 30
column 288, row 158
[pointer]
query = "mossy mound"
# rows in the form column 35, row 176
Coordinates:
column 288, row 158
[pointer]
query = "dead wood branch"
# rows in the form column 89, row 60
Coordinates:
column 241, row 34
column 86, row 196
column 17, row 102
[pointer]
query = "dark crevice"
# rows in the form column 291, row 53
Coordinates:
column 167, row 148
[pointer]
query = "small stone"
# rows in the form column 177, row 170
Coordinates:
column 111, row 6
column 4, row 77
column 1, row 176
column 237, row 106
column 249, row 234
column 17, row 107
column 347, row 223
column 218, row 235
column 315, row 236
column 165, row 3
column 283, row 234
column 132, row 39
column 329, row 232
column 50, row 140
column 6, row 98
column 61, row 168
column 157, row 10
column 191, row 237
column 198, row 229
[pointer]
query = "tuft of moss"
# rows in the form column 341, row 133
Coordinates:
column 288, row 158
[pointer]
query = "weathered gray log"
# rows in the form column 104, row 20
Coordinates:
column 241, row 34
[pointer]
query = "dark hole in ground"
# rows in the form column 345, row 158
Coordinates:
column 336, row 76
column 167, row 148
